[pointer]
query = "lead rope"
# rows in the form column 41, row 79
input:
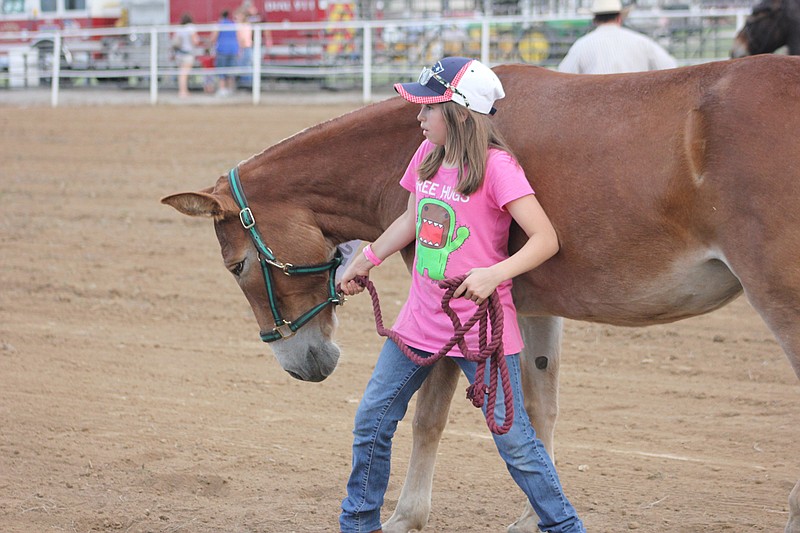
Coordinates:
column 489, row 310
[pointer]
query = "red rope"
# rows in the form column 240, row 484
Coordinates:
column 489, row 310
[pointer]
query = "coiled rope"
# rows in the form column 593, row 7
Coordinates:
column 490, row 350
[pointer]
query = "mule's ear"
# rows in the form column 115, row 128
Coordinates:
column 201, row 204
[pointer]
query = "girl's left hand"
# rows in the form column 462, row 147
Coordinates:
column 479, row 284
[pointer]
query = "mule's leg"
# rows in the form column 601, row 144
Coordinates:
column 430, row 418
column 793, row 526
column 540, row 364
column 773, row 290
column 777, row 309
column 786, row 327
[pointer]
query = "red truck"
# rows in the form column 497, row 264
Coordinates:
column 131, row 50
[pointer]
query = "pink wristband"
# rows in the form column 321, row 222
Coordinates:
column 370, row 255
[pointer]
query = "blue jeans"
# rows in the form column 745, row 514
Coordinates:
column 246, row 60
column 394, row 381
column 223, row 61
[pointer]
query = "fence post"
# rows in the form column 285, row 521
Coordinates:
column 153, row 66
column 256, row 65
column 485, row 34
column 367, row 60
column 54, row 84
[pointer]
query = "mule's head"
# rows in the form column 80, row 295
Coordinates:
column 765, row 30
column 291, row 235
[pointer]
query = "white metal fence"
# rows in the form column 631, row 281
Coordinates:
column 363, row 55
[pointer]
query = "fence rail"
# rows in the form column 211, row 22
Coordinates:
column 345, row 54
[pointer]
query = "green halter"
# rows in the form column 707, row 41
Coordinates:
column 283, row 328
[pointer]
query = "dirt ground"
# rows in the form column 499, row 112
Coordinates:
column 136, row 396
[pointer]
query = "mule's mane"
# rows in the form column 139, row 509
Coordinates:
column 356, row 159
column 332, row 128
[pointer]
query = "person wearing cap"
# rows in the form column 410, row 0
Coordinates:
column 465, row 189
column 610, row 48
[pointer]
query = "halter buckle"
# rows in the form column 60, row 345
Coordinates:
column 246, row 213
column 286, row 268
column 284, row 330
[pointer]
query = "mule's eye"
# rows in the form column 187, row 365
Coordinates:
column 236, row 269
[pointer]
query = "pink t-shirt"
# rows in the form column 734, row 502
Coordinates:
column 456, row 233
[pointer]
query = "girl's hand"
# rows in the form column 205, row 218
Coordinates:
column 400, row 233
column 359, row 266
column 479, row 284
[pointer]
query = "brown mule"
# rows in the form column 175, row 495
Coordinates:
column 672, row 192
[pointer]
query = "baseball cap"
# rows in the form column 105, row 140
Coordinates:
column 603, row 7
column 462, row 80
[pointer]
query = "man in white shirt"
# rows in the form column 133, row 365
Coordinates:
column 610, row 48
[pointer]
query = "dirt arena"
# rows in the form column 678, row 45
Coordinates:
column 136, row 396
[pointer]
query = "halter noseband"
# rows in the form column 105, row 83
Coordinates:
column 283, row 328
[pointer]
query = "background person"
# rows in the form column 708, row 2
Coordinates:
column 185, row 42
column 465, row 190
column 254, row 17
column 244, row 36
column 612, row 49
column 227, row 52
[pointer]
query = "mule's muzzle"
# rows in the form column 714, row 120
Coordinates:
column 311, row 377
column 308, row 361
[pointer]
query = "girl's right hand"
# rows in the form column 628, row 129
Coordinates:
column 399, row 234
column 359, row 266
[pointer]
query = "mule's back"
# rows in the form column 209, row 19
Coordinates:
column 649, row 179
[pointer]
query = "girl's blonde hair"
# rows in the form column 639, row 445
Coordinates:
column 469, row 137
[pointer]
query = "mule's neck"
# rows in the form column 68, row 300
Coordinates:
column 346, row 171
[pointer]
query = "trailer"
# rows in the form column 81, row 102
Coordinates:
column 34, row 23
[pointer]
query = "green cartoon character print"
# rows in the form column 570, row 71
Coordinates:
column 435, row 237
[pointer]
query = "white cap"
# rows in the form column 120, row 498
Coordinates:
column 465, row 81
column 606, row 7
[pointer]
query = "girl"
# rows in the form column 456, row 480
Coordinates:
column 466, row 188
column 185, row 42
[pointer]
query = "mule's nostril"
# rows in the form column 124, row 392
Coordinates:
column 295, row 376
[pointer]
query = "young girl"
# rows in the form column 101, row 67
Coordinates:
column 466, row 188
